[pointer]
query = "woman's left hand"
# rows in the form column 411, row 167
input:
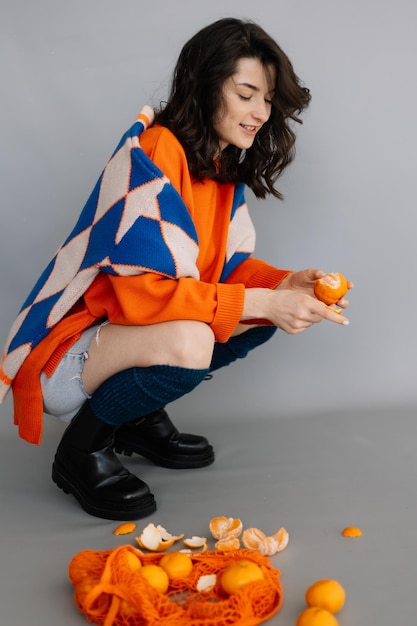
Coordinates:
column 304, row 281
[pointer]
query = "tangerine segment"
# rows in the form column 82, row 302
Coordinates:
column 228, row 543
column 351, row 531
column 177, row 565
column 315, row 616
column 239, row 574
column 222, row 527
column 331, row 287
column 326, row 594
column 255, row 539
column 282, row 538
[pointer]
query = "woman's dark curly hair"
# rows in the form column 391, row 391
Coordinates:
column 205, row 62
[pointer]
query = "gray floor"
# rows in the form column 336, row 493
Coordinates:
column 313, row 475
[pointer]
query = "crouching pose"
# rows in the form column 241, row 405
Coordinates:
column 157, row 286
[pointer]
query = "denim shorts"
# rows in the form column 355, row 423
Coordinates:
column 63, row 392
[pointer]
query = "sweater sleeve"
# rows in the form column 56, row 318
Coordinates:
column 256, row 273
column 150, row 299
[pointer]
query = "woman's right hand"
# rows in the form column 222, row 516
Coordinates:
column 290, row 310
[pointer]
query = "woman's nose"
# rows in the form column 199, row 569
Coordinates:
column 262, row 111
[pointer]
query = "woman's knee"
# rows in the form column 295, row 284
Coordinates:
column 186, row 343
column 193, row 344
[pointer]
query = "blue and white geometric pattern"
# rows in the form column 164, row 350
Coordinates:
column 134, row 221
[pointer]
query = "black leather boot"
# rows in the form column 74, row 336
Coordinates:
column 86, row 466
column 155, row 437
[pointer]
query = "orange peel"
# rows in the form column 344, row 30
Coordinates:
column 125, row 529
column 225, row 527
column 351, row 531
column 156, row 538
column 256, row 539
column 206, row 583
column 195, row 542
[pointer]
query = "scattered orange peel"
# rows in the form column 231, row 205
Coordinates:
column 156, row 538
column 351, row 531
column 225, row 527
column 195, row 542
column 125, row 528
column 256, row 539
column 206, row 583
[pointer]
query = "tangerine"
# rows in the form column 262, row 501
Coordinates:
column 132, row 561
column 225, row 527
column 84, row 586
column 315, row 616
column 331, row 287
column 176, row 565
column 156, row 577
column 326, row 594
column 239, row 574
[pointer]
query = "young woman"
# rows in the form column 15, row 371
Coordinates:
column 157, row 286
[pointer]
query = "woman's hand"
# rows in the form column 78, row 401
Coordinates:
column 304, row 281
column 292, row 306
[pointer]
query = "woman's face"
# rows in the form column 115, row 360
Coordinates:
column 246, row 103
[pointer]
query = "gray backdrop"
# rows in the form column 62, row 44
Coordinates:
column 74, row 75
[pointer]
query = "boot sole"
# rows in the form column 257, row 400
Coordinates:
column 107, row 510
column 171, row 461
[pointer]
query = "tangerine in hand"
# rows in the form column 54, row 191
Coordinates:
column 330, row 287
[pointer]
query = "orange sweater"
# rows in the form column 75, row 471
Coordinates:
column 117, row 298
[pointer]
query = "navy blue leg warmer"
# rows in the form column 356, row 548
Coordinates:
column 137, row 391
column 239, row 346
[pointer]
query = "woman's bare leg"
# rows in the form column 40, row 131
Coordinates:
column 184, row 343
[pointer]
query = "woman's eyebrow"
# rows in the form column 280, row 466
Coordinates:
column 244, row 84
column 253, row 87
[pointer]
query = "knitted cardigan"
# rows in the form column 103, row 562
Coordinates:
column 134, row 222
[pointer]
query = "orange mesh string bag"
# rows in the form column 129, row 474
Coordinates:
column 110, row 593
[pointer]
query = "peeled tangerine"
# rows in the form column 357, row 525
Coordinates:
column 225, row 527
column 330, row 288
column 255, row 539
